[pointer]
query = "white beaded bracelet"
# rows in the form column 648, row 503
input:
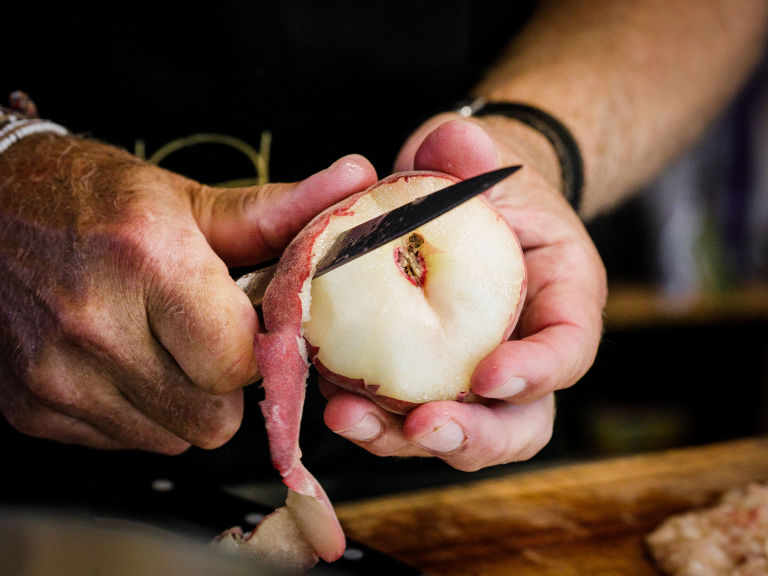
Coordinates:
column 21, row 120
column 14, row 128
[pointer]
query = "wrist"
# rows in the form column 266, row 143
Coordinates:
column 516, row 142
column 520, row 143
column 559, row 140
column 35, row 158
column 63, row 170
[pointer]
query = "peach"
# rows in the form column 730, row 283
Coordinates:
column 408, row 322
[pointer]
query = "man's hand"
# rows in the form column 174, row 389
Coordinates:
column 121, row 325
column 555, row 341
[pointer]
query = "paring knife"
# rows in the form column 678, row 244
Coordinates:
column 363, row 238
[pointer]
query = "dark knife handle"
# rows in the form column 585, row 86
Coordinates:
column 254, row 282
column 207, row 511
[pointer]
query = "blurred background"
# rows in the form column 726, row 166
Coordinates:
column 684, row 359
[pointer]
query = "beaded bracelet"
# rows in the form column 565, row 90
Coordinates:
column 566, row 148
column 20, row 121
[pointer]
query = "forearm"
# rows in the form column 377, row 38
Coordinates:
column 636, row 82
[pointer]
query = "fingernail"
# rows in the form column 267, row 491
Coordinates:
column 366, row 429
column 446, row 439
column 511, row 387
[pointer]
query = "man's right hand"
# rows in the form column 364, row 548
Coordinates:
column 121, row 325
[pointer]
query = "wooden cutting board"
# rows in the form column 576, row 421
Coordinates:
column 584, row 519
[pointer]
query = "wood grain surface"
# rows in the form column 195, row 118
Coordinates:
column 588, row 518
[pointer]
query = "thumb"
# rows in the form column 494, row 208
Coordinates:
column 457, row 147
column 248, row 225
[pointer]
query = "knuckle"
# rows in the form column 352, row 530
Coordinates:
column 149, row 246
column 204, row 327
column 167, row 447
column 218, row 437
column 32, row 427
column 580, row 359
column 476, row 457
column 538, row 433
column 25, row 419
column 274, row 233
column 30, row 418
column 533, row 446
column 466, row 465
column 230, row 371
column 49, row 385
column 149, row 438
column 380, row 449
column 219, row 422
column 85, row 325
column 228, row 360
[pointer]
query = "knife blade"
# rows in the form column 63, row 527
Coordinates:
column 391, row 225
column 363, row 238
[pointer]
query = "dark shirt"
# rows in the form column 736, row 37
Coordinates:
column 325, row 78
